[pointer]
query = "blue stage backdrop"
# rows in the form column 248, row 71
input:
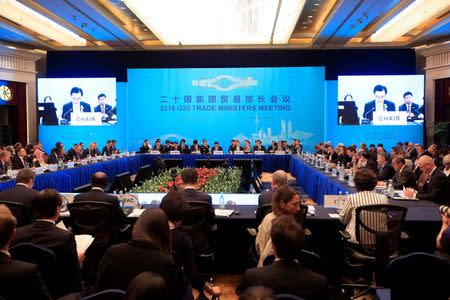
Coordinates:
column 220, row 104
column 387, row 135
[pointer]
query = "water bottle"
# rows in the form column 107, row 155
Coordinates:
column 221, row 201
column 339, row 201
column 9, row 171
column 391, row 188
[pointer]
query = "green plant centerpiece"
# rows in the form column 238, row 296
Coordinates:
column 217, row 180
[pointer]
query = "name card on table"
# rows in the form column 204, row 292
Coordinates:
column 174, row 152
column 39, row 170
column 84, row 162
column 87, row 118
column 238, row 152
column 259, row 152
column 280, row 153
column 53, row 168
column 216, row 152
column 389, row 118
column 155, row 152
column 70, row 164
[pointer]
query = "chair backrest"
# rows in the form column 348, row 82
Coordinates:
column 144, row 173
column 419, row 276
column 288, row 297
column 265, row 209
column 195, row 222
column 111, row 294
column 44, row 258
column 82, row 188
column 307, row 259
column 91, row 217
column 122, row 182
column 19, row 211
column 378, row 230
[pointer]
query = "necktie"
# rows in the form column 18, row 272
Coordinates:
column 409, row 109
column 103, row 109
column 421, row 182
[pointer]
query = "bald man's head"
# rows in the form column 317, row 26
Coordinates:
column 279, row 178
column 100, row 180
column 426, row 164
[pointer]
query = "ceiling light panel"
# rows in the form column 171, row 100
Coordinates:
column 215, row 22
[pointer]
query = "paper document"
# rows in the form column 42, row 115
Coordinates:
column 223, row 212
column 334, row 216
column 136, row 213
column 83, row 242
column 61, row 225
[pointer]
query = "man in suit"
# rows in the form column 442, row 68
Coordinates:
column 18, row 279
column 412, row 109
column 404, row 176
column 46, row 206
column 436, row 188
column 75, row 105
column 5, row 161
column 74, row 153
column 204, row 148
column 190, row 192
column 286, row 275
column 103, row 108
column 279, row 178
column 258, row 146
column 22, row 192
column 366, row 162
column 92, row 150
column 216, row 147
column 379, row 104
column 385, row 169
column 108, row 150
column 20, row 160
column 99, row 181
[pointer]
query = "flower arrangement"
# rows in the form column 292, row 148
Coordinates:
column 209, row 181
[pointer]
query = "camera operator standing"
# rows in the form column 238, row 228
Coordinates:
column 443, row 238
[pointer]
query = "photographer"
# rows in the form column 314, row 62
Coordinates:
column 443, row 238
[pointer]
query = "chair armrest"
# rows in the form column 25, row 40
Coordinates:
column 345, row 235
column 307, row 232
column 124, row 228
column 404, row 236
column 252, row 232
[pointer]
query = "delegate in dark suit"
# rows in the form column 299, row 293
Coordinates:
column 404, row 178
column 436, row 189
column 122, row 262
column 19, row 194
column 62, row 243
column 108, row 110
column 386, row 172
column 68, row 109
column 369, row 108
column 260, row 148
column 20, row 280
column 200, row 240
column 287, row 277
column 414, row 109
column 18, row 163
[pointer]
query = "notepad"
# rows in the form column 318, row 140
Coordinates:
column 334, row 216
column 83, row 242
column 223, row 212
column 136, row 213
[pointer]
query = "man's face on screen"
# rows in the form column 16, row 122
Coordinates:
column 102, row 100
column 379, row 96
column 408, row 99
column 76, row 98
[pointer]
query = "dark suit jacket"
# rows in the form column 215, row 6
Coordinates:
column 405, row 178
column 436, row 189
column 265, row 198
column 68, row 109
column 62, row 243
column 107, row 150
column 255, row 148
column 369, row 108
column 4, row 167
column 20, row 280
column 53, row 158
column 108, row 110
column 201, row 242
column 94, row 152
column 122, row 262
column 19, row 194
column 204, row 149
column 72, row 155
column 372, row 165
column 219, row 148
column 285, row 277
column 414, row 109
column 100, row 196
column 386, row 172
column 17, row 163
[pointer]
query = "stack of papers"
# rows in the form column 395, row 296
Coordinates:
column 223, row 212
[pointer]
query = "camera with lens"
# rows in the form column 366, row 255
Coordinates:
column 443, row 209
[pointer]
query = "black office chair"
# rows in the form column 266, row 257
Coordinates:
column 19, row 211
column 307, row 259
column 96, row 219
column 378, row 233
column 111, row 294
column 265, row 209
column 419, row 276
column 288, row 297
column 83, row 188
column 44, row 258
column 197, row 224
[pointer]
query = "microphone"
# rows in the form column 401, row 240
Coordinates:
column 365, row 115
column 64, row 115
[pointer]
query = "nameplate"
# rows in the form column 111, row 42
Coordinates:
column 155, row 152
column 238, row 152
column 389, row 118
column 95, row 158
column 39, row 170
column 259, row 152
column 174, row 152
column 70, row 164
column 217, row 152
column 87, row 118
column 53, row 168
column 280, row 153
column 84, row 162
